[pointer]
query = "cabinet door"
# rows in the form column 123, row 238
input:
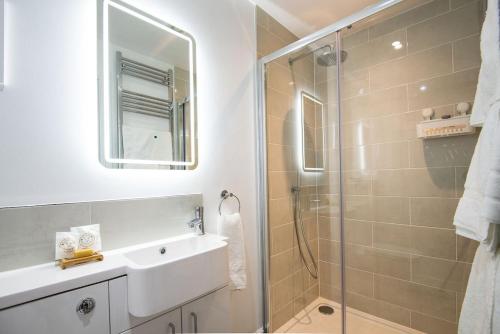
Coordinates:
column 169, row 323
column 78, row 311
column 119, row 317
column 209, row 314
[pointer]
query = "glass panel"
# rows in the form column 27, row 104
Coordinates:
column 405, row 265
column 303, row 192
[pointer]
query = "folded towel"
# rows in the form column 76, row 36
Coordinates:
column 481, row 304
column 230, row 226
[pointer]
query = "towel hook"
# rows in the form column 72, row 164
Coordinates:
column 225, row 195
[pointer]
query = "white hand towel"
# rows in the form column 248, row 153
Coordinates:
column 230, row 226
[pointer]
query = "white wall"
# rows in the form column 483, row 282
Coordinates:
column 48, row 116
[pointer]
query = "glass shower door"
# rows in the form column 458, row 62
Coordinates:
column 405, row 266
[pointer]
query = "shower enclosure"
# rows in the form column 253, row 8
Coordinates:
column 356, row 209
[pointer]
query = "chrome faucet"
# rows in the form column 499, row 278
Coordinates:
column 198, row 223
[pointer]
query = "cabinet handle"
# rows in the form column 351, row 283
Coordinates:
column 86, row 306
column 195, row 319
column 172, row 328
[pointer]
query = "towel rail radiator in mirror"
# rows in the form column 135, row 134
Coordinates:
column 139, row 103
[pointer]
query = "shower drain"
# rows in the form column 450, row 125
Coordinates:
column 325, row 309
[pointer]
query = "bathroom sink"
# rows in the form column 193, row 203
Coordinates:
column 164, row 275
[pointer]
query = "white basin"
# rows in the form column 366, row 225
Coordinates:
column 191, row 266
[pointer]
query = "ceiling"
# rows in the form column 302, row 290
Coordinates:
column 303, row 17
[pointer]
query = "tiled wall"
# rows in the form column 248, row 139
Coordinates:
column 404, row 261
column 291, row 286
column 27, row 234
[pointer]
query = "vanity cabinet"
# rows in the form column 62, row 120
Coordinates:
column 80, row 311
column 208, row 314
column 169, row 323
column 103, row 309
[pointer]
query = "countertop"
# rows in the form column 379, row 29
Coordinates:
column 31, row 283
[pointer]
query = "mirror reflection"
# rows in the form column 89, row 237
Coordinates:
column 313, row 134
column 149, row 111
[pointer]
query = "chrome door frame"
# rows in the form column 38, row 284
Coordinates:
column 262, row 209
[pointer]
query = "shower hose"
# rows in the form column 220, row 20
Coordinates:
column 297, row 219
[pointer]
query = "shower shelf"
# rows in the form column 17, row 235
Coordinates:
column 438, row 128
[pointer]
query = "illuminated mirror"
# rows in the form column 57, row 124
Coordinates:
column 147, row 86
column 313, row 133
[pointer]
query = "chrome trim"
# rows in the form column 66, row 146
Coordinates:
column 338, row 41
column 328, row 30
column 262, row 191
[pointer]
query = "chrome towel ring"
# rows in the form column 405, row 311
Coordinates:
column 225, row 195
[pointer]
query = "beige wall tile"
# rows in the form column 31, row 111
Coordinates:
column 330, row 292
column 423, row 299
column 379, row 308
column 280, row 132
column 280, row 211
column 282, row 294
column 261, row 17
column 434, row 242
column 388, row 209
column 394, row 128
column 282, row 238
column 277, row 29
column 466, row 249
column 444, row 28
column 280, row 183
column 443, row 274
column 378, row 103
column 357, row 183
column 410, row 17
column 389, row 182
column 360, row 282
column 329, row 251
column 433, row 212
column 418, row 66
column 358, row 232
column 430, row 325
column 460, row 177
column 279, row 77
column 281, row 158
column 279, row 104
column 357, row 158
column 390, row 155
column 328, row 228
column 388, row 263
column 442, row 152
column 449, row 89
column 280, row 317
column 329, row 273
column 392, row 237
column 459, row 3
column 357, row 133
column 430, row 182
column 266, row 42
column 375, row 52
column 355, row 83
column 350, row 40
column 281, row 266
column 466, row 53
column 358, row 207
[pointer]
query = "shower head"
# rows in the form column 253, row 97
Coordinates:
column 329, row 58
column 325, row 59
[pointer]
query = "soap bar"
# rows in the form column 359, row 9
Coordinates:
column 82, row 253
